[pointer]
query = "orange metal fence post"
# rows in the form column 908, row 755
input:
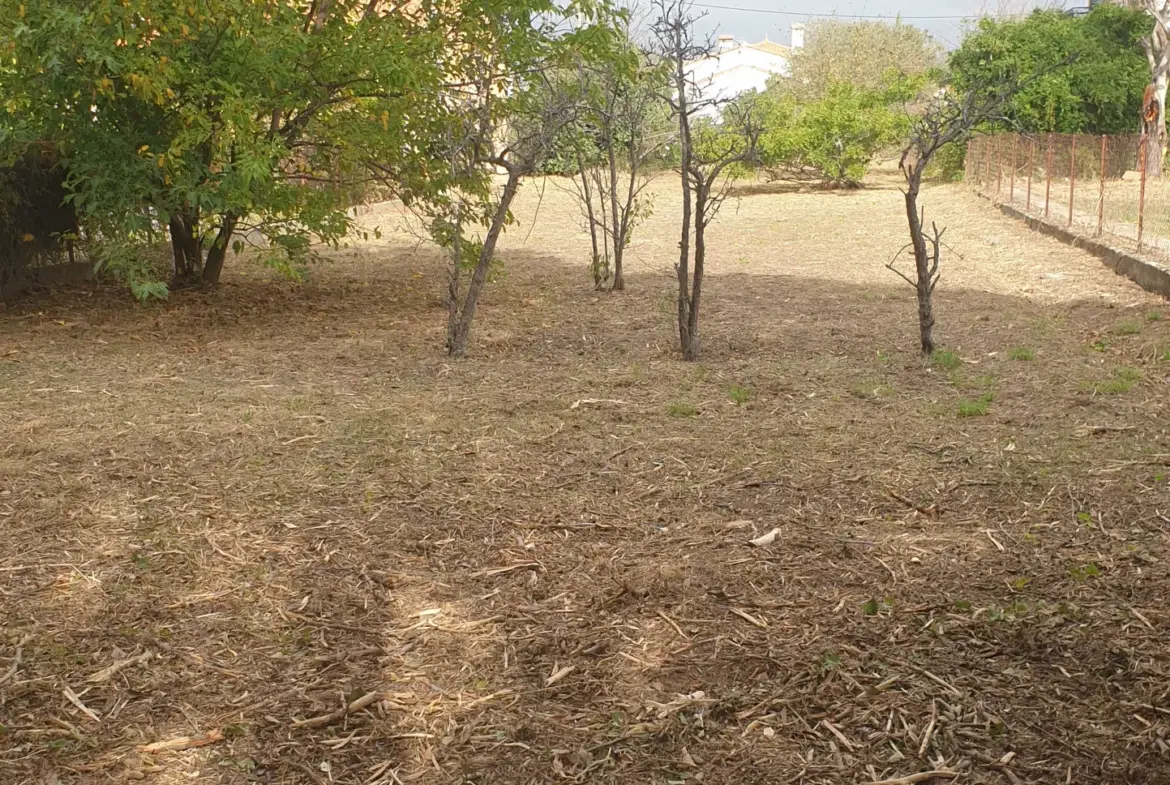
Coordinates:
column 1101, row 198
column 1072, row 177
column 1012, row 185
column 1031, row 163
column 1143, row 147
column 1048, row 178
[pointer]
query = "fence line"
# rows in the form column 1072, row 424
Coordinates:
column 1097, row 185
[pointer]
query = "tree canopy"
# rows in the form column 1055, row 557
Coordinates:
column 861, row 54
column 1100, row 91
column 200, row 118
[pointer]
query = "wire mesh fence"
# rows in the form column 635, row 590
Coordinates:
column 1097, row 186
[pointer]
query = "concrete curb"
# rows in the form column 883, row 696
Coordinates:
column 1146, row 274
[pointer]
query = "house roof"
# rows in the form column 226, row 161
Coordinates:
column 772, row 48
column 765, row 46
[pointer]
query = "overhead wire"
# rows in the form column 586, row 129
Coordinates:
column 824, row 15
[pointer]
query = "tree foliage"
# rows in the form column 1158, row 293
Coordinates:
column 203, row 118
column 1100, row 91
column 861, row 54
column 835, row 137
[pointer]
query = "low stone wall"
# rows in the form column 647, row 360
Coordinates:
column 1146, row 273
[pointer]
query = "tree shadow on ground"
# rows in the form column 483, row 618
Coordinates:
column 541, row 554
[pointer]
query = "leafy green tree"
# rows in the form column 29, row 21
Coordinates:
column 1099, row 92
column 205, row 118
column 861, row 54
column 834, row 138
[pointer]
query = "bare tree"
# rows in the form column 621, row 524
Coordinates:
column 1157, row 48
column 706, row 151
column 619, row 108
column 947, row 119
column 527, row 138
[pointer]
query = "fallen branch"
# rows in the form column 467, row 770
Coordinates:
column 528, row 565
column 8, row 674
column 352, row 708
column 107, row 673
column 921, row 776
column 749, row 618
column 72, row 697
column 560, row 674
column 577, row 404
column 183, row 742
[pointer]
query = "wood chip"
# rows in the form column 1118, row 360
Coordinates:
column 921, row 776
column 528, row 565
column 72, row 697
column 766, row 539
column 183, row 742
column 108, row 672
column 583, row 401
column 749, row 618
column 560, row 674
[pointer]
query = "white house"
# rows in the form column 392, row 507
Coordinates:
column 737, row 67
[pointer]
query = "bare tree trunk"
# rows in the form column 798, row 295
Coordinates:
column 627, row 217
column 591, row 218
column 458, row 346
column 1157, row 48
column 1155, row 129
column 615, row 219
column 691, row 349
column 453, row 278
column 924, row 275
column 218, row 251
column 682, row 269
column 186, row 250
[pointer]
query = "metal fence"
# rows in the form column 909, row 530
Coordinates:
column 1095, row 185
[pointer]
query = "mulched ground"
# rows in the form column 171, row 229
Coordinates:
column 231, row 516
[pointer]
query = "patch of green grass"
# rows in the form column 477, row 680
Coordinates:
column 1084, row 572
column 739, row 395
column 977, row 407
column 1122, row 381
column 1129, row 328
column 831, row 661
column 873, row 607
column 1154, row 316
column 945, row 359
column 1099, row 346
column 871, row 389
column 679, row 409
column 985, row 381
column 1166, row 356
column 1021, row 353
column 883, row 358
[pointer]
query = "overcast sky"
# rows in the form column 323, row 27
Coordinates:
column 753, row 25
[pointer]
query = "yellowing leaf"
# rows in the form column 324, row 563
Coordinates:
column 27, row 238
column 385, row 121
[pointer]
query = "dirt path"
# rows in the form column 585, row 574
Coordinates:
column 538, row 558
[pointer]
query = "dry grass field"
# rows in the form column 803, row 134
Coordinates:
column 271, row 534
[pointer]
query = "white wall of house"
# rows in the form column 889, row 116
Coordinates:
column 737, row 67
